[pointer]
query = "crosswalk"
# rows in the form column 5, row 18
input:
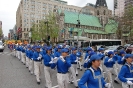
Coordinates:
column 5, row 53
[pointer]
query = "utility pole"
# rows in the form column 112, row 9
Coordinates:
column 78, row 26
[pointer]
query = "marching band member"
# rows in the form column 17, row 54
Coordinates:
column 63, row 64
column 58, row 52
column 126, row 72
column 47, row 67
column 121, row 58
column 31, row 62
column 27, row 58
column 73, row 68
column 93, row 76
column 101, row 54
column 37, row 57
column 18, row 50
column 88, row 51
column 23, row 54
column 87, row 61
column 116, row 65
column 79, row 62
column 109, row 63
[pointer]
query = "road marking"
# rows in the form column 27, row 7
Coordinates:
column 58, row 85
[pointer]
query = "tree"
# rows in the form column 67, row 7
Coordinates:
column 53, row 27
column 1, row 33
column 45, row 28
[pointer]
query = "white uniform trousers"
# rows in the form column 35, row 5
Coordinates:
column 23, row 57
column 109, row 72
column 125, row 85
column 19, row 55
column 27, row 61
column 62, row 80
column 73, row 70
column 31, row 66
column 37, row 66
column 119, row 68
column 16, row 53
column 79, row 65
column 48, row 76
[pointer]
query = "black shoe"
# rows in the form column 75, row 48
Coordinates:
column 76, row 74
column 116, row 82
column 77, row 68
column 77, row 87
column 38, row 83
column 71, row 82
column 80, row 69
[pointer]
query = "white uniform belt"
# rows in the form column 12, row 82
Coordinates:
column 129, row 78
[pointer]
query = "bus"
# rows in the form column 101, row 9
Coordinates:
column 85, row 42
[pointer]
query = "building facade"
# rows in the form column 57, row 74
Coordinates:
column 11, row 34
column 128, row 3
column 32, row 11
column 100, row 10
column 94, row 25
column 1, row 32
column 119, row 6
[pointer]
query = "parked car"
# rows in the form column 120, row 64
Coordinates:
column 129, row 49
column 112, row 48
column 1, row 46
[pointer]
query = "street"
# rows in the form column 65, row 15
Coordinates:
column 13, row 74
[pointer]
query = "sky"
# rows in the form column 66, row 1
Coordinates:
column 8, row 10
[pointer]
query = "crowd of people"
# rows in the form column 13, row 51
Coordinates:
column 67, row 60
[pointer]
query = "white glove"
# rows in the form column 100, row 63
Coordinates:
column 38, row 58
column 76, row 60
column 129, row 83
column 123, row 58
column 63, row 59
column 109, row 60
column 50, row 62
column 108, row 85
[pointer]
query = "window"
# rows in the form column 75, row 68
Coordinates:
column 104, row 12
column 97, row 12
column 24, row 29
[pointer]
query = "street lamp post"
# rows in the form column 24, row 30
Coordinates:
column 78, row 26
column 48, row 36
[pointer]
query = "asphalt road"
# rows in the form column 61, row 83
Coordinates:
column 13, row 74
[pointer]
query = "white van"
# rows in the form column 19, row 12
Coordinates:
column 1, row 46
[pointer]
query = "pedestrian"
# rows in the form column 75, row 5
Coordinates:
column 63, row 64
column 79, row 62
column 37, row 57
column 109, row 63
column 116, row 65
column 126, row 72
column 58, row 52
column 93, row 76
column 31, row 61
column 73, row 68
column 48, row 57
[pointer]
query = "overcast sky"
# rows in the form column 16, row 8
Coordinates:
column 8, row 10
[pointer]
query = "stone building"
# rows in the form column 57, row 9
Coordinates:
column 97, row 25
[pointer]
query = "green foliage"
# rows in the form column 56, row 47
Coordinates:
column 1, row 33
column 41, row 30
